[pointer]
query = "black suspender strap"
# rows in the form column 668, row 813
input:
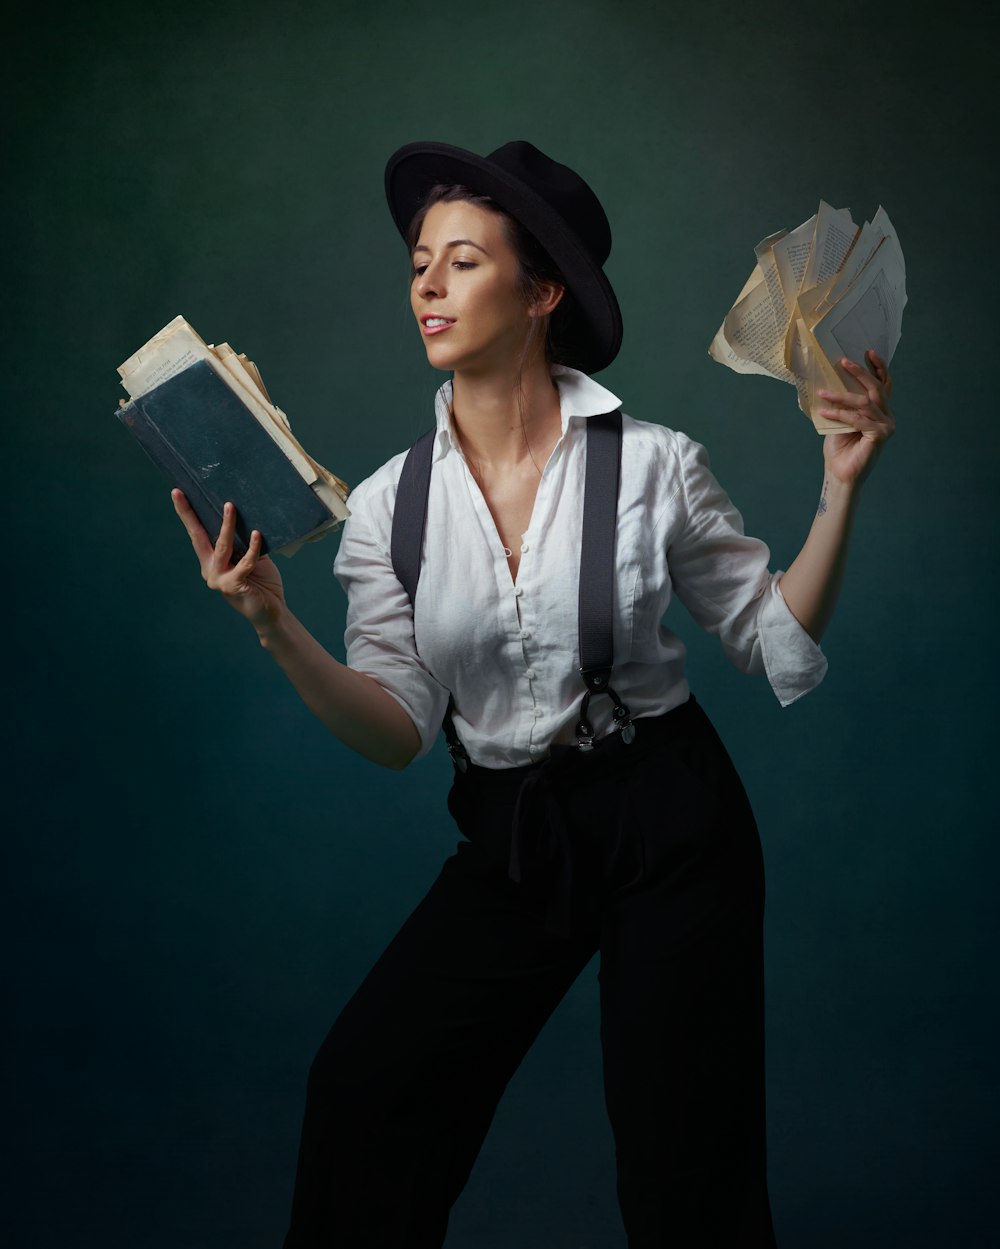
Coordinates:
column 597, row 572
column 597, row 556
column 597, row 564
column 409, row 516
column 409, row 520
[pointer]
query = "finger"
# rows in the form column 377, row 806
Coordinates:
column 868, row 380
column 249, row 561
column 881, row 369
column 195, row 529
column 224, row 542
column 845, row 398
column 876, row 428
column 860, row 371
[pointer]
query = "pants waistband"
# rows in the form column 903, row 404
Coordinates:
column 650, row 731
column 541, row 846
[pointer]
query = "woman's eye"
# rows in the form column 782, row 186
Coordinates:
column 418, row 269
column 464, row 264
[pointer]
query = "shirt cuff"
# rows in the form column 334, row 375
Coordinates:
column 793, row 662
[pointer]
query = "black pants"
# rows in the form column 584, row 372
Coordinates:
column 658, row 866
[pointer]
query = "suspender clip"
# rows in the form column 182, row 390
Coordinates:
column 584, row 729
column 623, row 718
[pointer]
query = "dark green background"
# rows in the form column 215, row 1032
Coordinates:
column 199, row 875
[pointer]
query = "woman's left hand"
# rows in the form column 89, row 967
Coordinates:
column 850, row 456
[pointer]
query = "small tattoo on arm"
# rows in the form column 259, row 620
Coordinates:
column 822, row 501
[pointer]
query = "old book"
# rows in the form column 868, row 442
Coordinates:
column 203, row 416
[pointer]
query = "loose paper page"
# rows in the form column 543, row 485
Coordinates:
column 174, row 348
column 791, row 255
column 835, row 235
column 819, row 373
column 870, row 313
column 752, row 331
column 237, row 365
column 765, row 259
column 254, row 372
column 764, row 252
column 723, row 351
column 873, row 237
column 823, row 291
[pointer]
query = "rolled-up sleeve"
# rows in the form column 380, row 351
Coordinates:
column 722, row 578
column 379, row 633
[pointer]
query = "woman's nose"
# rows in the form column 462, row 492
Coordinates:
column 430, row 282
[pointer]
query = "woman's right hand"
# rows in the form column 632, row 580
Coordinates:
column 253, row 585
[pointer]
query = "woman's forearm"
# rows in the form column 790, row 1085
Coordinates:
column 811, row 585
column 352, row 705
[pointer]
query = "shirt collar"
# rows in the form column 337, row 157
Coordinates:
column 579, row 395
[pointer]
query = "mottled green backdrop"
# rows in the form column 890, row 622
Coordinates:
column 198, row 875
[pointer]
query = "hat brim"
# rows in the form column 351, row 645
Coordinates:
column 591, row 323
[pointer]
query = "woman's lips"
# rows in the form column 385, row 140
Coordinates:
column 434, row 325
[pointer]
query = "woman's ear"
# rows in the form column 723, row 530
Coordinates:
column 546, row 300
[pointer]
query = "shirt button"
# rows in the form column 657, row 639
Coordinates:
column 525, row 633
column 537, row 714
column 534, row 749
column 518, row 591
column 530, row 674
column 524, row 547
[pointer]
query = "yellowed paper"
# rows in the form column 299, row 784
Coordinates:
column 870, row 313
column 246, row 376
column 175, row 347
column 833, row 239
column 821, row 292
column 254, row 372
column 791, row 255
column 768, row 264
column 753, row 332
column 723, row 351
column 820, row 374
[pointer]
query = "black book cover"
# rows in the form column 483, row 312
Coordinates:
column 209, row 443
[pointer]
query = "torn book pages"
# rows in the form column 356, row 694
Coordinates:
column 825, row 290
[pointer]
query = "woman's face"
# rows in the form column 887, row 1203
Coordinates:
column 465, row 293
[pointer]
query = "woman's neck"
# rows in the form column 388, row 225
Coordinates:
column 500, row 423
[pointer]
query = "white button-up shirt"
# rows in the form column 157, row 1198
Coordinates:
column 509, row 652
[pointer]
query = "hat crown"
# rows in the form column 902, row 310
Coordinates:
column 562, row 189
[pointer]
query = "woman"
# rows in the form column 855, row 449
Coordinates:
column 600, row 814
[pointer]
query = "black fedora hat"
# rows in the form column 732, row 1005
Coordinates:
column 554, row 204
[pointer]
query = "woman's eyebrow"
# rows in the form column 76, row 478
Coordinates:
column 420, row 247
